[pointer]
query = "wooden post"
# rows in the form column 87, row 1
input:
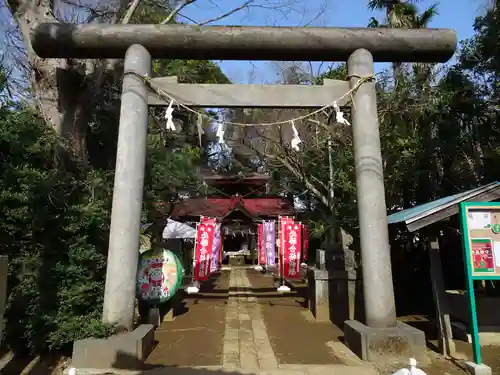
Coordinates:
column 446, row 345
column 3, row 289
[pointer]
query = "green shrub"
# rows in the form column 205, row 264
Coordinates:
column 55, row 230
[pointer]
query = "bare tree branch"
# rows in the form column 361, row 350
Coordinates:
column 45, row 75
column 187, row 18
column 181, row 5
column 229, row 13
column 130, row 12
column 301, row 177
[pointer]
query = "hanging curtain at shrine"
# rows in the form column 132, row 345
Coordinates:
column 177, row 230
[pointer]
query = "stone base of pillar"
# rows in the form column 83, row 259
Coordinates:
column 122, row 351
column 386, row 345
column 477, row 369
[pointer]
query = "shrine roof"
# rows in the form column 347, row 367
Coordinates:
column 223, row 206
column 213, row 178
column 431, row 212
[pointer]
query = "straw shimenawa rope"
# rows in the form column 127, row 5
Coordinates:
column 168, row 98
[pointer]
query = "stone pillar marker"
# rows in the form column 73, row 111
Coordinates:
column 321, row 259
column 123, row 252
column 318, row 288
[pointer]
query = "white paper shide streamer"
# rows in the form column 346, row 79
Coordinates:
column 169, row 116
column 199, row 126
column 294, row 143
column 339, row 115
column 220, row 133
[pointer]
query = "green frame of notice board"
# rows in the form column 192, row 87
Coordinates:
column 470, row 277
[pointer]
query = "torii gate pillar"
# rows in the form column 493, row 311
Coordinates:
column 123, row 251
column 382, row 336
column 380, row 311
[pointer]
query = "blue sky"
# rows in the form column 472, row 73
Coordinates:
column 455, row 14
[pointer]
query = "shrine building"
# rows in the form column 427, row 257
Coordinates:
column 239, row 203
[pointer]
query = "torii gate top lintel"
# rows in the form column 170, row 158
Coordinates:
column 55, row 40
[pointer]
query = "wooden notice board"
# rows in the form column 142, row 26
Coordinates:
column 482, row 240
column 481, row 244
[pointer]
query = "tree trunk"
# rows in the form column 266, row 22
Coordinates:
column 56, row 83
column 64, row 90
column 397, row 71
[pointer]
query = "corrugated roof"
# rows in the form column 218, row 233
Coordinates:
column 426, row 209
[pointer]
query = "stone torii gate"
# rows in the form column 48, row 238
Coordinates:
column 360, row 47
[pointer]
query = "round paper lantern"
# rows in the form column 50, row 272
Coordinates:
column 159, row 275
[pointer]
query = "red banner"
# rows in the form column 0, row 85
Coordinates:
column 207, row 220
column 203, row 251
column 221, row 249
column 305, row 243
column 284, row 220
column 260, row 244
column 292, row 250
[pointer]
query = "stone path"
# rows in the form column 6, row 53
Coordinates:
column 295, row 336
column 246, row 344
column 239, row 324
column 247, row 348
